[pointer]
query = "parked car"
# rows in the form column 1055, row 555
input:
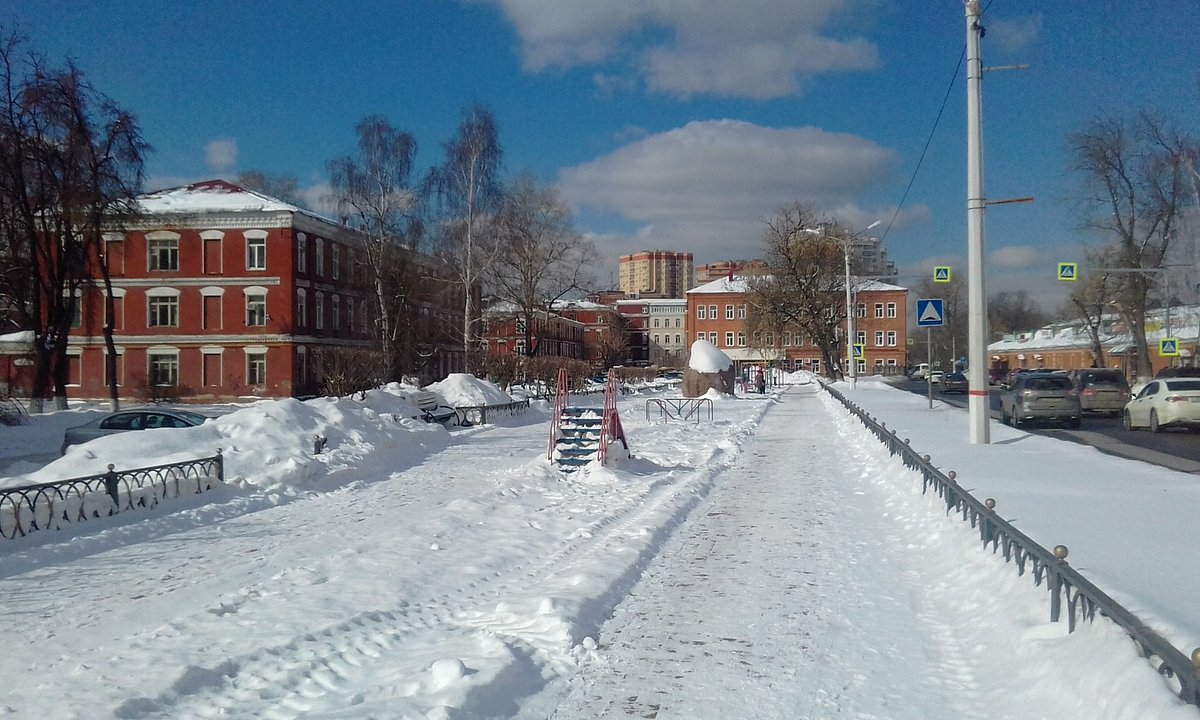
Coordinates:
column 1040, row 396
column 1101, row 390
column 955, row 382
column 127, row 420
column 919, row 371
column 935, row 376
column 1164, row 403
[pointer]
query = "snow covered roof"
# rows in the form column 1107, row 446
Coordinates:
column 216, row 196
column 1184, row 323
column 738, row 284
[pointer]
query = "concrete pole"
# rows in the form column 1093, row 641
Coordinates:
column 978, row 402
column 850, row 335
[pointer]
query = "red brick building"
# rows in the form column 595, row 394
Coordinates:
column 717, row 313
column 552, row 335
column 220, row 292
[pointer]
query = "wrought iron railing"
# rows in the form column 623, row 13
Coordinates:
column 47, row 506
column 680, row 408
column 1082, row 599
column 478, row 414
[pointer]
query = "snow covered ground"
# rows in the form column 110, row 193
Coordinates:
column 774, row 562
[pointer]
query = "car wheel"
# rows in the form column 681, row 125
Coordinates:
column 1127, row 421
column 1154, row 426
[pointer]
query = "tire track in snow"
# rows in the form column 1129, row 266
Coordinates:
column 323, row 670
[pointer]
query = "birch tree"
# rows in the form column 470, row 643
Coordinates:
column 466, row 188
column 373, row 190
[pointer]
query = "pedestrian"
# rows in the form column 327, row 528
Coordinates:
column 761, row 382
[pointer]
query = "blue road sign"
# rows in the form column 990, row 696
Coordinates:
column 929, row 313
column 1168, row 347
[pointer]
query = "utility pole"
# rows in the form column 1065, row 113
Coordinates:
column 978, row 398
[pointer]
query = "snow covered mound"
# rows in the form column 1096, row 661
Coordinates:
column 466, row 390
column 708, row 358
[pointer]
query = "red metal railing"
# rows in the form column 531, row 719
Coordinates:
column 560, row 403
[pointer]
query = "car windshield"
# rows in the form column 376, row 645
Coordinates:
column 1182, row 385
column 1113, row 378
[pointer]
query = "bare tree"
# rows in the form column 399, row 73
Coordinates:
column 281, row 186
column 1013, row 311
column 802, row 285
column 1137, row 171
column 372, row 190
column 539, row 257
column 70, row 166
column 467, row 190
column 1091, row 297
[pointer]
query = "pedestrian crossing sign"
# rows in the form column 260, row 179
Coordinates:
column 1168, row 347
column 941, row 274
column 1068, row 271
column 859, row 350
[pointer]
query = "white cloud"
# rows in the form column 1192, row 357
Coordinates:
column 755, row 48
column 221, row 155
column 1016, row 34
column 708, row 186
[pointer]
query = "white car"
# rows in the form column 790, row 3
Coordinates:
column 935, row 377
column 1164, row 403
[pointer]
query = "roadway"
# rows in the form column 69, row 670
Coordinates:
column 1176, row 449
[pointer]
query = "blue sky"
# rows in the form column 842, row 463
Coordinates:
column 665, row 124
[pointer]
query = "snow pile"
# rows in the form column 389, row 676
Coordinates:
column 466, row 390
column 707, row 358
column 271, row 444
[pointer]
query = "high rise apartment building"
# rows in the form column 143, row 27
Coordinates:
column 656, row 274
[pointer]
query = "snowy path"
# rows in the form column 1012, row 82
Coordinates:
column 810, row 586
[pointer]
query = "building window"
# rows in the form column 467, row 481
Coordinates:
column 678, row 340
column 319, row 260
column 256, row 309
column 657, row 341
column 163, row 368
column 787, row 338
column 337, row 312
column 301, row 253
column 320, row 310
column 878, row 338
column 891, row 338
column 699, row 336
column 350, row 315
column 164, row 253
column 337, row 261
column 860, row 337
column 163, row 311
column 655, row 322
column 879, row 310
column 728, row 339
column 712, row 338
column 256, row 368
column 741, row 312
column 700, row 312
column 891, row 310
column 861, row 310
column 769, row 339
column 301, row 308
column 301, row 365
column 256, row 252
column 728, row 312
column 677, row 322
column 741, row 339
column 712, row 311
column 816, row 366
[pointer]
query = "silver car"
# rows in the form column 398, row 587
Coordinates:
column 1041, row 397
column 127, row 420
column 1101, row 390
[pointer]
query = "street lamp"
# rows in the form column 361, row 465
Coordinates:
column 850, row 309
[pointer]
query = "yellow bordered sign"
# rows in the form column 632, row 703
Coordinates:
column 1168, row 347
column 1068, row 271
column 859, row 351
column 941, row 273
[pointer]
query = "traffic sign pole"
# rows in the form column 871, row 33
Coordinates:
column 929, row 361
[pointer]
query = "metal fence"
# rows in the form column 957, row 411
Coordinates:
column 479, row 414
column 1068, row 589
column 48, row 506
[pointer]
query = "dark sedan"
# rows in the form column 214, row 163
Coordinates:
column 127, row 420
column 955, row 382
